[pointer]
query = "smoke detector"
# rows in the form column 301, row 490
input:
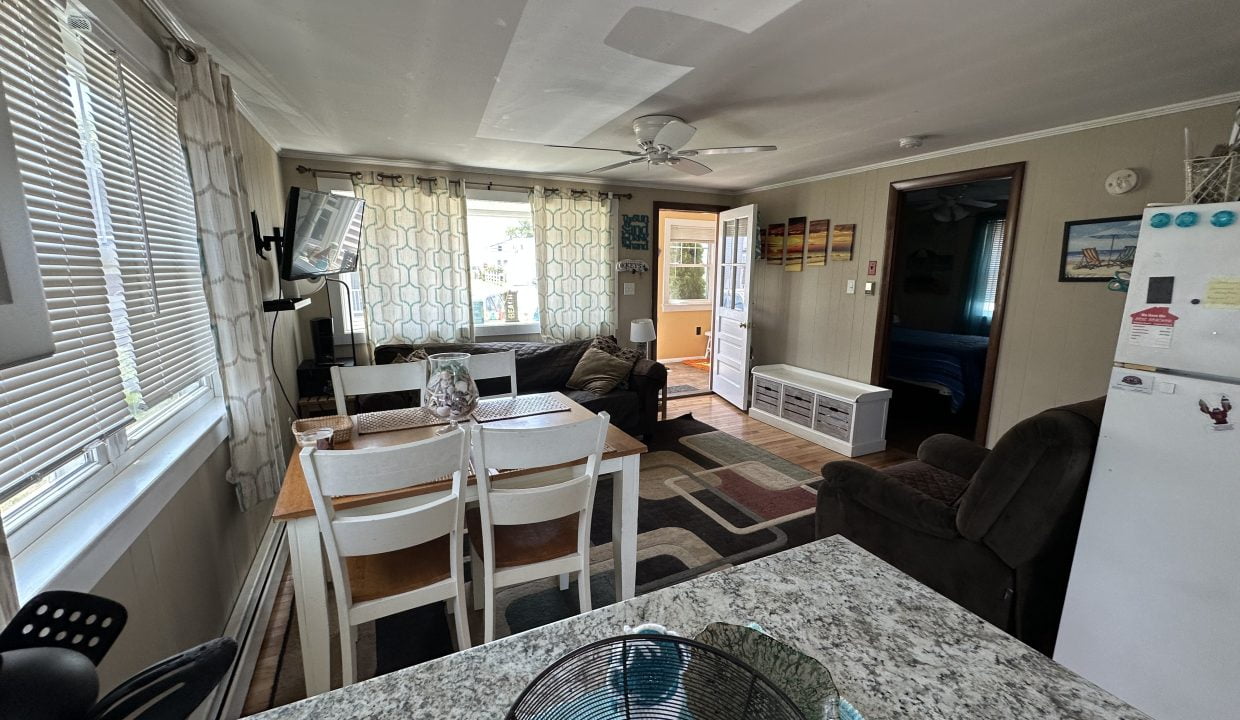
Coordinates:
column 910, row 142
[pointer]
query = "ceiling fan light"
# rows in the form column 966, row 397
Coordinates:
column 911, row 142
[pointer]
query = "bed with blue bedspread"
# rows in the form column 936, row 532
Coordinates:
column 951, row 364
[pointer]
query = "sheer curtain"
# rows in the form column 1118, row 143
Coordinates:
column 575, row 242
column 414, row 263
column 208, row 124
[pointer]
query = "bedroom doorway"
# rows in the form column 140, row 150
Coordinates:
column 685, row 257
column 947, row 260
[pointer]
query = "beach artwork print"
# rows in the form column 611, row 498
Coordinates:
column 816, row 245
column 775, row 244
column 1094, row 250
column 842, row 242
column 795, row 245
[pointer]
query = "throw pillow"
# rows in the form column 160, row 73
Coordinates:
column 608, row 344
column 599, row 372
column 413, row 356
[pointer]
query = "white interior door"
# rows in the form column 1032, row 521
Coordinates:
column 729, row 357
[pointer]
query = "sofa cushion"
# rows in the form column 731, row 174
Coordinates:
column 929, row 480
column 623, row 406
column 599, row 372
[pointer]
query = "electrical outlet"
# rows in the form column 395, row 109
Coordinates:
column 698, row 330
column 630, row 288
column 873, row 268
column 852, row 287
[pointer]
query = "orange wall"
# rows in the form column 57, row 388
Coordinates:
column 677, row 330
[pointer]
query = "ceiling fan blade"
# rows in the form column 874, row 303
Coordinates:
column 727, row 150
column 692, row 167
column 942, row 214
column 583, row 147
column 959, row 213
column 620, row 164
column 975, row 203
column 674, row 134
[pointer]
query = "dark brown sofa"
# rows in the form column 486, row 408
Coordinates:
column 546, row 367
column 994, row 530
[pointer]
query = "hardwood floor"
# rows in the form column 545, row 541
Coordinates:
column 681, row 375
column 714, row 410
column 710, row 409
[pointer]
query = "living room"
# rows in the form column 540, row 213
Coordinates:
column 700, row 279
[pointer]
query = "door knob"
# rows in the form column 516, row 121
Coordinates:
column 744, row 325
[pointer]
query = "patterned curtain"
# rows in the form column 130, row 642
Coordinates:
column 575, row 242
column 414, row 263
column 208, row 124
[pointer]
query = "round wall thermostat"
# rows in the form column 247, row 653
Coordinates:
column 1122, row 181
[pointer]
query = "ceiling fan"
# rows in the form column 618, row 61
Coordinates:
column 952, row 207
column 660, row 138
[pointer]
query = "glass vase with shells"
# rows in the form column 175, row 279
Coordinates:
column 451, row 392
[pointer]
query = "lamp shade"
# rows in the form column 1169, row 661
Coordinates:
column 641, row 330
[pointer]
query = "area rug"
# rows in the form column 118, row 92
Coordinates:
column 707, row 501
column 702, row 364
column 674, row 390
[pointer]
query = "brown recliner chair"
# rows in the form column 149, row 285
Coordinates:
column 993, row 530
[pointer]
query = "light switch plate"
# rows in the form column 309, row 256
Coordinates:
column 630, row 288
column 852, row 287
column 869, row 288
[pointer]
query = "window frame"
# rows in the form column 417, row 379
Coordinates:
column 119, row 451
column 666, row 303
column 493, row 329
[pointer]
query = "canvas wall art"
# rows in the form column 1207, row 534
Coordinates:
column 775, row 244
column 816, row 244
column 794, row 245
column 1093, row 250
column 842, row 239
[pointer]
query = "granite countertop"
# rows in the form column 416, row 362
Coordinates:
column 895, row 648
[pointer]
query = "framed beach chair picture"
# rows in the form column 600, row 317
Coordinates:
column 1094, row 250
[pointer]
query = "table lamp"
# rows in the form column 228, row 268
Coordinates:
column 642, row 331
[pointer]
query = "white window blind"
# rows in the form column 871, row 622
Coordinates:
column 995, row 234
column 108, row 192
column 64, row 402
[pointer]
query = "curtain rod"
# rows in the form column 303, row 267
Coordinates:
column 186, row 51
column 317, row 171
column 575, row 191
column 397, row 178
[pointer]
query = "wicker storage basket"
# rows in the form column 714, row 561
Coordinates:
column 1212, row 179
column 341, row 426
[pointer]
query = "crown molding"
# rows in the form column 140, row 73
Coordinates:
column 449, row 167
column 259, row 126
column 1185, row 106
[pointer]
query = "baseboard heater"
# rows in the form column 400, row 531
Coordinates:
column 248, row 624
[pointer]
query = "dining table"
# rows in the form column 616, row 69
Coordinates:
column 621, row 458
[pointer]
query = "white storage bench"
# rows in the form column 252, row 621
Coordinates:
column 846, row 416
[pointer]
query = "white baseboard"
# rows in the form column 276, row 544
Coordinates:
column 248, row 624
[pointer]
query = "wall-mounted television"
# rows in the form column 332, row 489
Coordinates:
column 322, row 234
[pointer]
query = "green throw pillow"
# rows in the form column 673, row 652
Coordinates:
column 599, row 372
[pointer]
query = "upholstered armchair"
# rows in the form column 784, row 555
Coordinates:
column 994, row 530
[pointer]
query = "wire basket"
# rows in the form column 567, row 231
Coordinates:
column 1212, row 179
column 340, row 425
column 651, row 677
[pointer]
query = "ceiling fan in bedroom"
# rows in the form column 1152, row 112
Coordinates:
column 661, row 138
column 950, row 207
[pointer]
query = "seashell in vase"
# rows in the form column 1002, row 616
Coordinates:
column 450, row 390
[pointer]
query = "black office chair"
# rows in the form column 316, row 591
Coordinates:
column 181, row 683
column 65, row 619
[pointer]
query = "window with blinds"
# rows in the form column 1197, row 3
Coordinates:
column 994, row 234
column 687, row 273
column 112, row 214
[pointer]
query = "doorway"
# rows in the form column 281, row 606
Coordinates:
column 685, row 269
column 947, row 260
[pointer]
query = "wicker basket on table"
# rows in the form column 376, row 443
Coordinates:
column 340, row 425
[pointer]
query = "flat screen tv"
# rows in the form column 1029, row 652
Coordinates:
column 322, row 234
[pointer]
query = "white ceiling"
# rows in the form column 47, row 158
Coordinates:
column 833, row 83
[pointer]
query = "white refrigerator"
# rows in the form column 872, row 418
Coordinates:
column 1152, row 612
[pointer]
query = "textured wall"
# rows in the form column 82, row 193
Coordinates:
column 1058, row 338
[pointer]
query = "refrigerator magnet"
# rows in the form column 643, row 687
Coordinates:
column 1217, row 408
column 1152, row 327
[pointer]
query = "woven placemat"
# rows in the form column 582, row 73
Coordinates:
column 520, row 406
column 403, row 419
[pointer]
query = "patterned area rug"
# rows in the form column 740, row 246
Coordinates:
column 707, row 501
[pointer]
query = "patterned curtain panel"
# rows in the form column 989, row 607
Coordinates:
column 208, row 124
column 414, row 263
column 575, row 242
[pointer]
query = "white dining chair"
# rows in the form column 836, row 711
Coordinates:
column 485, row 366
column 527, row 532
column 397, row 558
column 367, row 379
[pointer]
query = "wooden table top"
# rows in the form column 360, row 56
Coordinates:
column 294, row 500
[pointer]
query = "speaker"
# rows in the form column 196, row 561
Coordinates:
column 323, row 340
